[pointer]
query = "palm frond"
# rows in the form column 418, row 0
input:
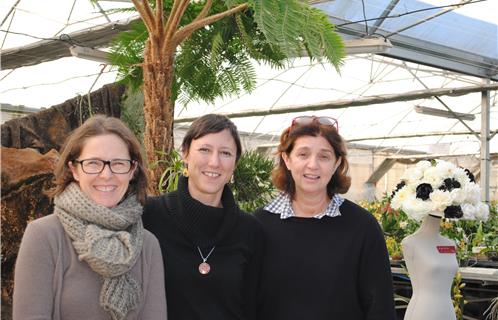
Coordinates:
column 215, row 61
column 127, row 54
column 217, row 47
column 295, row 26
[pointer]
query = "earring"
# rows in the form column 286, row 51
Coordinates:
column 185, row 170
column 232, row 179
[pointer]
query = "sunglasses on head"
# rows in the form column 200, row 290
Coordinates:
column 306, row 120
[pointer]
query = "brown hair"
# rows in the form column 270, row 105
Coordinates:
column 96, row 126
column 282, row 177
column 207, row 124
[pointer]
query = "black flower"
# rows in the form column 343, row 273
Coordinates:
column 470, row 175
column 453, row 212
column 424, row 190
column 450, row 184
column 398, row 187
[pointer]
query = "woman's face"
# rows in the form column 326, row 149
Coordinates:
column 312, row 163
column 211, row 162
column 105, row 188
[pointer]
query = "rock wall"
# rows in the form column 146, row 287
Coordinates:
column 26, row 176
column 47, row 129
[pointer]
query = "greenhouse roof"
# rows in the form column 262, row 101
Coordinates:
column 437, row 49
column 438, row 37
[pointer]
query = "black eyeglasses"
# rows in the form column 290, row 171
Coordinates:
column 94, row 166
column 306, row 120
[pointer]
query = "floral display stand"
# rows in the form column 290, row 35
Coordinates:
column 428, row 192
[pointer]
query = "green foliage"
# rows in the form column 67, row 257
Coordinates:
column 132, row 112
column 474, row 238
column 294, row 26
column 469, row 236
column 127, row 54
column 252, row 186
column 174, row 169
column 457, row 296
column 215, row 61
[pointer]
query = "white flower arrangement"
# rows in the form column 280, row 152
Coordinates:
column 439, row 188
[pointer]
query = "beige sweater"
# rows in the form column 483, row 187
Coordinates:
column 51, row 283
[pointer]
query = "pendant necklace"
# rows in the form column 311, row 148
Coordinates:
column 204, row 267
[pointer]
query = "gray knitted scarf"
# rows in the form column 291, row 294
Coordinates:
column 109, row 240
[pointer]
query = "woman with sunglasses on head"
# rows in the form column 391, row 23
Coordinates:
column 325, row 256
column 92, row 258
column 212, row 250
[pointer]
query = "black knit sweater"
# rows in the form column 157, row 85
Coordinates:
column 325, row 269
column 182, row 223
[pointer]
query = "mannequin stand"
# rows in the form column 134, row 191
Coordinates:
column 431, row 262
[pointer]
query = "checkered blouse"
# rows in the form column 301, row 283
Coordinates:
column 282, row 205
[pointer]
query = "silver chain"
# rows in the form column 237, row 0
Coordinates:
column 202, row 256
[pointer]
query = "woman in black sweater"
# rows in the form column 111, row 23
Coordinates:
column 212, row 250
column 325, row 256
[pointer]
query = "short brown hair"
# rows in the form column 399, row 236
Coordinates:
column 282, row 177
column 95, row 126
column 207, row 124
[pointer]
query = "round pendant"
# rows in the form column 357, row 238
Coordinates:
column 204, row 268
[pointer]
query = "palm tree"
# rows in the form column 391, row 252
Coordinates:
column 200, row 50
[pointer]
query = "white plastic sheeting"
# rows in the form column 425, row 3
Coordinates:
column 302, row 83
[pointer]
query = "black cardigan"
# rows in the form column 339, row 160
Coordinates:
column 324, row 269
column 181, row 224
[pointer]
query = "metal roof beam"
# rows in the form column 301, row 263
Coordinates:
column 51, row 49
column 416, row 135
column 339, row 104
column 383, row 16
column 437, row 156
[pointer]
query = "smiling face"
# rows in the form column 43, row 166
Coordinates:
column 211, row 162
column 105, row 188
column 312, row 162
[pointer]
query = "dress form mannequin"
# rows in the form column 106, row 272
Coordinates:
column 431, row 263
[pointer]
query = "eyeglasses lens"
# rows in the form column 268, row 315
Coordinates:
column 97, row 166
column 306, row 120
column 327, row 121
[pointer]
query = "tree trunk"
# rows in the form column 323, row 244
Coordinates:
column 158, row 109
column 158, row 72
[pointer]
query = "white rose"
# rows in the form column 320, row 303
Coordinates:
column 399, row 198
column 469, row 211
column 472, row 193
column 423, row 165
column 433, row 177
column 403, row 224
column 440, row 200
column 445, row 168
column 482, row 211
column 458, row 196
column 412, row 175
column 461, row 176
column 416, row 208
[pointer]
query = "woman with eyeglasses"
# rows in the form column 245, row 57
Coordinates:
column 212, row 250
column 325, row 256
column 92, row 258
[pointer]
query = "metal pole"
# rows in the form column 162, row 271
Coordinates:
column 485, row 137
